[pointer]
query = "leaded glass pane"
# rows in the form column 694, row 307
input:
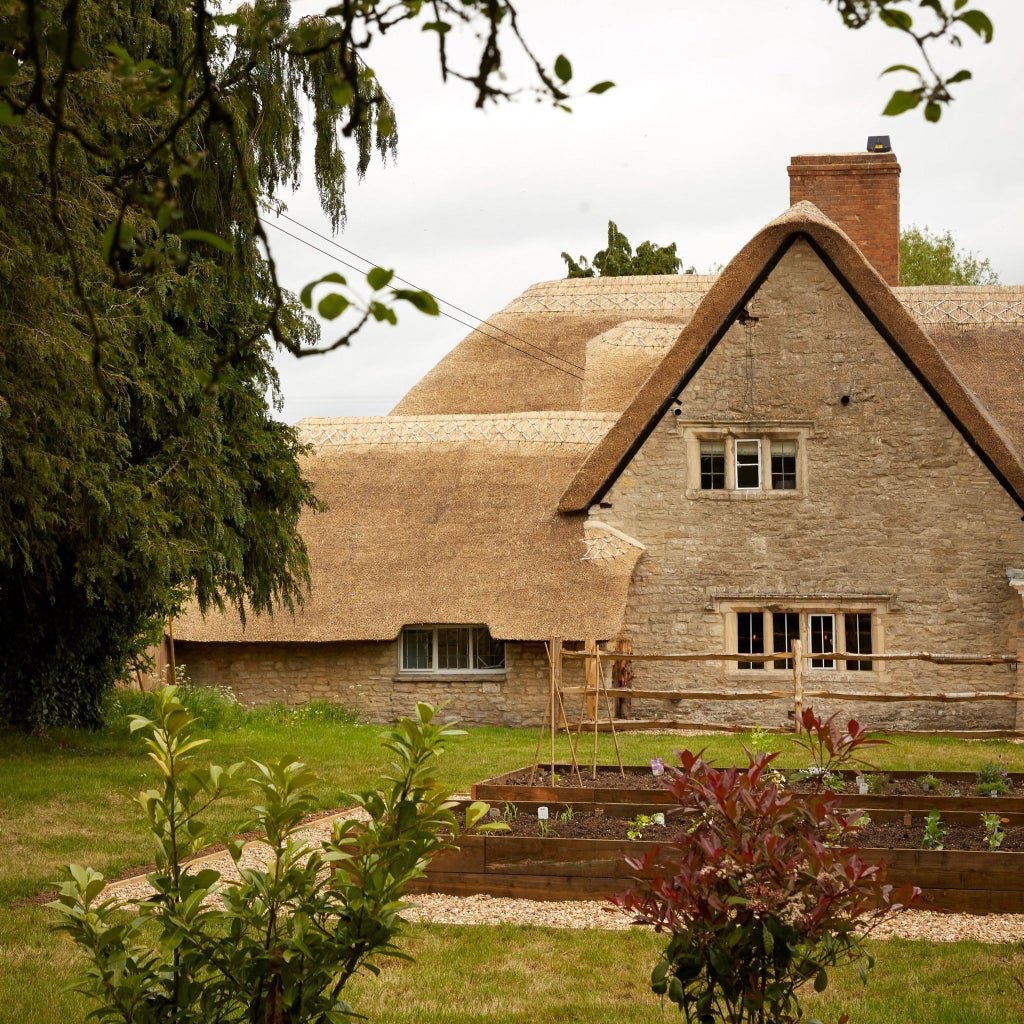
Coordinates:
column 712, row 465
column 858, row 640
column 453, row 647
column 785, row 629
column 417, row 649
column 750, row 637
column 783, row 465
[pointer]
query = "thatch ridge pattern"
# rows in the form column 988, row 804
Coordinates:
column 603, row 542
column 555, row 427
column 642, row 334
column 963, row 304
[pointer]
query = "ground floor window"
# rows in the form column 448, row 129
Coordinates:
column 451, row 649
column 763, row 631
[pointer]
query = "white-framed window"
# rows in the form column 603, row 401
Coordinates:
column 766, row 631
column 450, row 650
column 748, row 461
column 748, row 464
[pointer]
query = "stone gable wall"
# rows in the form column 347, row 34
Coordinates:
column 364, row 678
column 894, row 505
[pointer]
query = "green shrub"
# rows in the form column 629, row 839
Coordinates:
column 765, row 894
column 278, row 944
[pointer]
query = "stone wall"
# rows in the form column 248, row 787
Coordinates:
column 364, row 677
column 894, row 513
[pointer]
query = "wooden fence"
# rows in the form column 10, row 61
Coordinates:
column 597, row 695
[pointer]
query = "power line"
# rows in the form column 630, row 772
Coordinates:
column 472, row 327
column 479, row 321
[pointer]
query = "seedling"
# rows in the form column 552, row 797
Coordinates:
column 509, row 811
column 635, row 828
column 929, row 783
column 877, row 782
column 934, row 831
column 567, row 813
column 543, row 828
column 994, row 834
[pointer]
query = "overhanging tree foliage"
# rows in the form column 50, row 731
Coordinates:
column 140, row 463
column 619, row 260
column 927, row 257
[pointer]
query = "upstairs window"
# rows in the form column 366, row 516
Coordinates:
column 748, row 465
column 451, row 649
column 783, row 465
column 712, row 465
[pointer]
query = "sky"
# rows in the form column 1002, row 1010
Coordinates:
column 691, row 146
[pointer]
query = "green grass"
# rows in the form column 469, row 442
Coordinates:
column 69, row 796
column 520, row 975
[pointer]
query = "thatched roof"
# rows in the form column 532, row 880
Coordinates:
column 533, row 354
column 448, row 519
column 448, row 510
column 984, row 428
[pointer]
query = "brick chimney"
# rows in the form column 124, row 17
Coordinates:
column 861, row 193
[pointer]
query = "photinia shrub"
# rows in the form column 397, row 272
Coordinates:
column 764, row 891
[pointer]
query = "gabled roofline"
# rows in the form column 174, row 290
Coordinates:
column 724, row 304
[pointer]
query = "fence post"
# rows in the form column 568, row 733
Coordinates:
column 797, row 651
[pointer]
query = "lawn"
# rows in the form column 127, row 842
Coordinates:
column 69, row 796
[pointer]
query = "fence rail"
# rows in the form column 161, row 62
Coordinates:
column 597, row 690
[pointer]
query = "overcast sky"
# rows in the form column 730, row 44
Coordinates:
column 711, row 101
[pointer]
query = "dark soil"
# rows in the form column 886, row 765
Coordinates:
column 641, row 778
column 884, row 835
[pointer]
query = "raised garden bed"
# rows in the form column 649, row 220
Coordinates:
column 568, row 864
column 636, row 790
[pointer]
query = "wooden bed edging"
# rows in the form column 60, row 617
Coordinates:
column 594, row 869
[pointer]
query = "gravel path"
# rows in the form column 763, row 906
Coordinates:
column 482, row 909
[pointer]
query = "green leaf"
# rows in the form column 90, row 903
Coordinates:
column 330, row 307
column 197, row 235
column 902, row 101
column 306, row 295
column 601, row 87
column 380, row 313
column 563, row 69
column 901, row 67
column 896, row 19
column 932, row 111
column 820, row 981
column 978, row 22
column 960, row 76
column 440, row 27
column 378, row 278
column 423, row 301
